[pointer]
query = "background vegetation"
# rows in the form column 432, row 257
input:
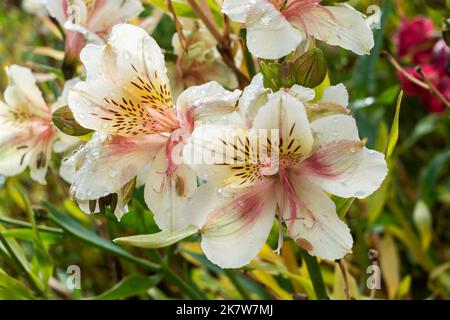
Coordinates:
column 42, row 231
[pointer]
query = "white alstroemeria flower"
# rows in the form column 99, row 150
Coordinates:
column 200, row 63
column 235, row 209
column 276, row 27
column 90, row 20
column 27, row 134
column 127, row 99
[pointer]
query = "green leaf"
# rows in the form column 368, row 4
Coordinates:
column 315, row 275
column 72, row 227
column 424, row 127
column 27, row 234
column 430, row 175
column 11, row 289
column 343, row 205
column 45, row 263
column 158, row 240
column 393, row 135
column 423, row 221
column 129, row 287
column 404, row 287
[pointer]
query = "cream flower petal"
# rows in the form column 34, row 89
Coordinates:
column 126, row 91
column 106, row 14
column 238, row 10
column 336, row 94
column 166, row 192
column 234, row 228
column 269, row 34
column 287, row 115
column 207, row 103
column 314, row 224
column 107, row 163
column 338, row 26
column 14, row 158
column 255, row 96
column 23, row 93
column 225, row 156
column 340, row 164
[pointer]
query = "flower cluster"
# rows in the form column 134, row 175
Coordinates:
column 417, row 40
column 273, row 151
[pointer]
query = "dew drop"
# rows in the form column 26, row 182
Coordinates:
column 112, row 173
column 360, row 194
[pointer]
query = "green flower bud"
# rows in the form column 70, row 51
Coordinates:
column 310, row 68
column 63, row 119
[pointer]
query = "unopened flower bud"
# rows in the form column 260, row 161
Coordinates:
column 64, row 120
column 310, row 68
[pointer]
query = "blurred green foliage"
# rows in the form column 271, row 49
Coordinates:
column 406, row 220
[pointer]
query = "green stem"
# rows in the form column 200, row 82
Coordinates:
column 231, row 274
column 24, row 224
column 176, row 279
column 316, row 276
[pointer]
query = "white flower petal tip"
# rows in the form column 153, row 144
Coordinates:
column 274, row 30
column 234, row 228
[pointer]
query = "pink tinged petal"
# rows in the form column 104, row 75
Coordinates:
column 127, row 90
column 107, row 163
column 166, row 192
column 338, row 26
column 313, row 223
column 340, row 164
column 269, row 34
column 207, row 103
column 26, row 146
column 234, row 227
column 57, row 9
column 107, row 13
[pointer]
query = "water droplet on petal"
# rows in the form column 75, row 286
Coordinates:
column 112, row 173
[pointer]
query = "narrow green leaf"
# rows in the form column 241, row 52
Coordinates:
column 343, row 205
column 430, row 175
column 11, row 289
column 315, row 274
column 393, row 135
column 129, row 287
column 158, row 240
column 27, row 234
column 72, row 227
column 41, row 254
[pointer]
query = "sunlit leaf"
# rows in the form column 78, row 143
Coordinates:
column 158, row 240
column 393, row 135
